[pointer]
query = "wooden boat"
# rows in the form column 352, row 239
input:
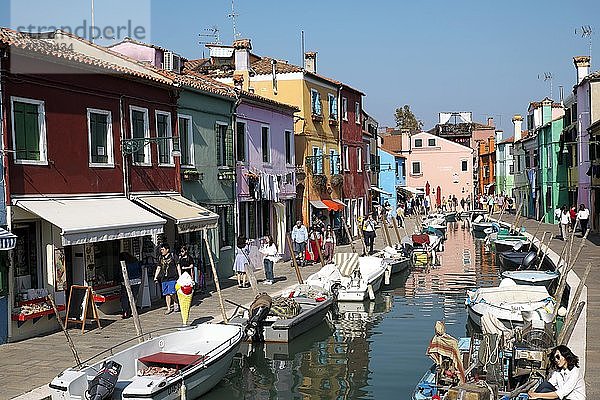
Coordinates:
column 193, row 360
column 282, row 330
column 350, row 277
column 535, row 278
column 508, row 301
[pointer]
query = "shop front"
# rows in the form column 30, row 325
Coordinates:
column 187, row 224
column 73, row 241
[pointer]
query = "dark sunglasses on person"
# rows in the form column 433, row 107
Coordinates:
column 557, row 357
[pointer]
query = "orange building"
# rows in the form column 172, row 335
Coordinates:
column 486, row 166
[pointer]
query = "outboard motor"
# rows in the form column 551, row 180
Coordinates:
column 529, row 260
column 259, row 310
column 103, row 384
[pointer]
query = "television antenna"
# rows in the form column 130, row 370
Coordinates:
column 212, row 32
column 547, row 77
column 586, row 32
column 232, row 15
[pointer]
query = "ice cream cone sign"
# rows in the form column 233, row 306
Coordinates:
column 185, row 291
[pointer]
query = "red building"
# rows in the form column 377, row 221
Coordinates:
column 354, row 156
column 70, row 110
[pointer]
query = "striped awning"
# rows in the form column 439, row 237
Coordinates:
column 346, row 262
column 7, row 240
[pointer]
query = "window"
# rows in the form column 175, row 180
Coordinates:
column 317, row 160
column 416, row 168
column 464, row 165
column 140, row 129
column 334, row 166
column 288, row 147
column 345, row 108
column 225, row 225
column 165, row 146
column 315, row 102
column 224, row 138
column 29, row 131
column 418, row 142
column 431, row 142
column 332, row 106
column 240, row 132
column 100, row 137
column 357, row 112
column 549, row 153
column 518, row 163
column 346, row 158
column 359, row 159
column 266, row 145
column 511, row 169
column 186, row 142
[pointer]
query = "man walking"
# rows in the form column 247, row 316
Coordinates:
column 299, row 239
column 168, row 271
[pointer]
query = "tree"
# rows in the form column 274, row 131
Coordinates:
column 405, row 119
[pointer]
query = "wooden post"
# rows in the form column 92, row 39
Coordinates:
column 535, row 234
column 514, row 223
column 539, row 250
column 362, row 239
column 62, row 327
column 215, row 276
column 569, row 325
column 320, row 253
column 134, row 313
column 569, row 319
column 545, row 251
column 386, row 233
column 572, row 238
column 294, row 261
column 349, row 236
column 395, row 225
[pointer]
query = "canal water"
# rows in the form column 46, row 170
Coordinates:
column 372, row 350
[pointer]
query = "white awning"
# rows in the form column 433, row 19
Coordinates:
column 88, row 220
column 7, row 240
column 318, row 204
column 188, row 216
column 376, row 189
column 410, row 189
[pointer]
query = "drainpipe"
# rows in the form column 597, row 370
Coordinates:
column 233, row 112
column 125, row 166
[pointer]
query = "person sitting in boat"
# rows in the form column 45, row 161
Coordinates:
column 443, row 350
column 566, row 381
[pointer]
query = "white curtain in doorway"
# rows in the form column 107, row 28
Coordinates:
column 280, row 226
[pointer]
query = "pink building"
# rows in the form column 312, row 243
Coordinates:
column 440, row 167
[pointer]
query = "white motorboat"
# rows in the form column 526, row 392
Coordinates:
column 532, row 277
column 193, row 360
column 509, row 301
column 395, row 261
column 350, row 276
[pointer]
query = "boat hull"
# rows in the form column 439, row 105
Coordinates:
column 285, row 330
column 511, row 260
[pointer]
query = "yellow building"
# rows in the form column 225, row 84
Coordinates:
column 316, row 128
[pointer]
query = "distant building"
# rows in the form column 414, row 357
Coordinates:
column 486, row 166
column 505, row 169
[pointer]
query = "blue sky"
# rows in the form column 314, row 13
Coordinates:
column 460, row 55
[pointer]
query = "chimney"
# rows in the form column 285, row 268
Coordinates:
column 517, row 121
column 238, row 81
column 310, row 61
column 582, row 63
column 490, row 121
column 242, row 49
column 499, row 135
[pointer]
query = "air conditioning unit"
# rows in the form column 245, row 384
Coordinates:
column 172, row 62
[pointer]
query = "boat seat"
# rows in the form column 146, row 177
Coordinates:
column 176, row 360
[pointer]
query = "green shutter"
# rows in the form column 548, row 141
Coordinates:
column 183, row 141
column 27, row 131
column 218, row 146
column 138, row 125
column 163, row 145
column 99, row 139
column 228, row 145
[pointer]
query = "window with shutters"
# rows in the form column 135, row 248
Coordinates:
column 240, row 141
column 315, row 102
column 357, row 112
column 345, row 108
column 346, row 158
column 317, row 160
column 266, row 144
column 334, row 160
column 100, row 138
column 224, row 139
column 289, row 149
column 416, row 168
column 332, row 100
column 163, row 131
column 464, row 164
column 186, row 140
column 359, row 159
column 29, row 131
column 140, row 129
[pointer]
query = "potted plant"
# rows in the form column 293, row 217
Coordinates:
column 190, row 175
column 337, row 180
column 320, row 182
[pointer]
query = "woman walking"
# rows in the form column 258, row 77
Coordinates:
column 329, row 244
column 565, row 220
column 241, row 262
column 269, row 250
column 583, row 215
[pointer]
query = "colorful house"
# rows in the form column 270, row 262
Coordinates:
column 486, row 168
column 370, row 139
column 450, row 175
column 504, row 165
column 69, row 200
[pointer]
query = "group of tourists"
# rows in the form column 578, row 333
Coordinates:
column 493, row 203
column 168, row 270
column 567, row 219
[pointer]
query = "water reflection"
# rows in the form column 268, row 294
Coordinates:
column 372, row 349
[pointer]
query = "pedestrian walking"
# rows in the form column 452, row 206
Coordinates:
column 269, row 250
column 168, row 272
column 299, row 239
column 368, row 229
column 186, row 262
column 557, row 217
column 482, row 202
column 134, row 273
column 426, row 205
column 573, row 216
column 329, row 243
column 490, row 203
column 400, row 214
column 241, row 262
column 584, row 217
column 454, row 202
column 565, row 220
column 462, row 204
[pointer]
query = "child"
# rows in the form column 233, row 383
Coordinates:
column 241, row 262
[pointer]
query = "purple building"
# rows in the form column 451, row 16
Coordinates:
column 265, row 168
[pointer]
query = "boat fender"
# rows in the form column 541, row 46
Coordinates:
column 183, row 390
column 371, row 292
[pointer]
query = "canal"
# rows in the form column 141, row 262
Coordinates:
column 373, row 350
